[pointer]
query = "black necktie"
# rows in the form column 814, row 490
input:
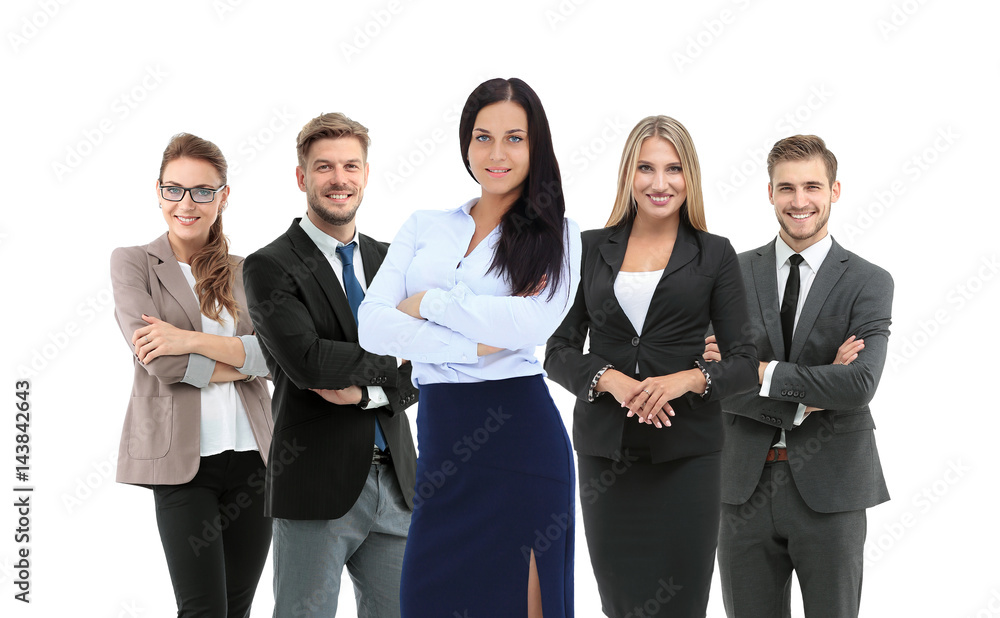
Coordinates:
column 789, row 302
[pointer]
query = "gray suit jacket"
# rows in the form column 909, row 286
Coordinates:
column 832, row 454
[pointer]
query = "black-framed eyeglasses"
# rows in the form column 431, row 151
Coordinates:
column 199, row 195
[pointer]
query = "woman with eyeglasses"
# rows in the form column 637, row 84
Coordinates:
column 198, row 425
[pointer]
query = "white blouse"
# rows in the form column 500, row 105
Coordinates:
column 224, row 422
column 464, row 305
column 634, row 291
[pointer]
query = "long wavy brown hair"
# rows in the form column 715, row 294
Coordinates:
column 213, row 270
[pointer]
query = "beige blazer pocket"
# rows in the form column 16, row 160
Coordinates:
column 150, row 430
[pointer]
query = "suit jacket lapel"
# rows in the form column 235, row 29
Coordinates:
column 765, row 280
column 829, row 273
column 168, row 272
column 316, row 263
column 370, row 258
column 613, row 252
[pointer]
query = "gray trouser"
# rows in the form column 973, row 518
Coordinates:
column 763, row 540
column 310, row 555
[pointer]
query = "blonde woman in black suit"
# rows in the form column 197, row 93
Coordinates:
column 198, row 425
column 647, row 423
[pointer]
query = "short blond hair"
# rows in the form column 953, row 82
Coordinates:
column 801, row 148
column 693, row 208
column 332, row 125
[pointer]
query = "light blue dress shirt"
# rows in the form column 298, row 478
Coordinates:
column 464, row 305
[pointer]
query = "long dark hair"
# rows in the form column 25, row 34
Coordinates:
column 531, row 232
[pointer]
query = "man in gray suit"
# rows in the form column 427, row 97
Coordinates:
column 799, row 464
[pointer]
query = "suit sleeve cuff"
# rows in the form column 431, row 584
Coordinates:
column 199, row 371
column 765, row 385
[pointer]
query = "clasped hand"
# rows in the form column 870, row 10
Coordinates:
column 160, row 339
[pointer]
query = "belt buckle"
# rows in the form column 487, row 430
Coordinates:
column 379, row 456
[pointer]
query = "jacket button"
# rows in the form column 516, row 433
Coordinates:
column 784, row 393
column 635, row 341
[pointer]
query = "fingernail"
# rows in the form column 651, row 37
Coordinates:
column 658, row 425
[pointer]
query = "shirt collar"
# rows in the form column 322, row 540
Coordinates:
column 326, row 243
column 813, row 255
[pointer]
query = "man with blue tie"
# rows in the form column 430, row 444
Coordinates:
column 340, row 481
column 799, row 464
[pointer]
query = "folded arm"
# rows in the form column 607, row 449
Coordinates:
column 286, row 329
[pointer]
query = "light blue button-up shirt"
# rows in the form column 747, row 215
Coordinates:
column 464, row 305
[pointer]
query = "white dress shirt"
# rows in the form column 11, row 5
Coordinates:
column 464, row 304
column 634, row 291
column 328, row 246
column 224, row 422
column 812, row 259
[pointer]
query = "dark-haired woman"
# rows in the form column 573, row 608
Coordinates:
column 467, row 295
column 648, row 422
column 198, row 425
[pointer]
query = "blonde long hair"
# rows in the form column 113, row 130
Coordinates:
column 211, row 266
column 693, row 208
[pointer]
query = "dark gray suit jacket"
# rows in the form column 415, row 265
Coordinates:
column 832, row 454
column 321, row 453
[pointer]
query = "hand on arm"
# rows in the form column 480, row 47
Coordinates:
column 341, row 397
column 161, row 338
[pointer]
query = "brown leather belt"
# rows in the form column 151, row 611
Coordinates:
column 777, row 454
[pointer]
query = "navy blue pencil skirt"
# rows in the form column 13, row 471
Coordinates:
column 494, row 483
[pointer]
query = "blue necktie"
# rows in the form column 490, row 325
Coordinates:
column 354, row 296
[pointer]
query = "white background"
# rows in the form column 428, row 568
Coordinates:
column 93, row 91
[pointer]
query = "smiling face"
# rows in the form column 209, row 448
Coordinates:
column 658, row 186
column 498, row 152
column 334, row 179
column 188, row 222
column 802, row 194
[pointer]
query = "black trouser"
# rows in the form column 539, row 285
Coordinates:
column 215, row 535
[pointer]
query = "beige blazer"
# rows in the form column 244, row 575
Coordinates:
column 161, row 437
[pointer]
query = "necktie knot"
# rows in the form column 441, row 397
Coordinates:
column 346, row 253
column 795, row 259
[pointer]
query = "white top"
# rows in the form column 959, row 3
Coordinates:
column 464, row 305
column 812, row 258
column 224, row 422
column 634, row 291
column 328, row 247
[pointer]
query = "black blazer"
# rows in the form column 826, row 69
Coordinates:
column 701, row 283
column 321, row 453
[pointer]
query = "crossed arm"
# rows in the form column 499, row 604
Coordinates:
column 181, row 355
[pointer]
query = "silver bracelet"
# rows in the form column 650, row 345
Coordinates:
column 591, row 393
column 708, row 378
